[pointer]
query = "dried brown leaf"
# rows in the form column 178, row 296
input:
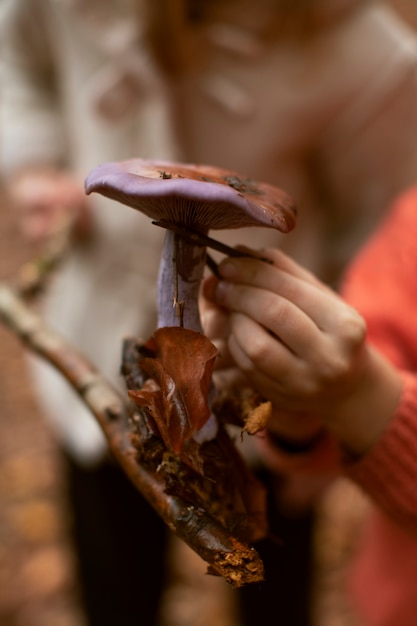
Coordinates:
column 176, row 392
column 258, row 418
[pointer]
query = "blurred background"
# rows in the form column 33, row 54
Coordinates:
column 36, row 578
column 37, row 582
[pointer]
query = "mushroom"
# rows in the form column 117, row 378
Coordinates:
column 190, row 199
column 196, row 198
column 195, row 458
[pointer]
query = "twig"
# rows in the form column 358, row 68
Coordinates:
column 203, row 240
column 237, row 562
column 212, row 265
column 124, row 428
column 33, row 275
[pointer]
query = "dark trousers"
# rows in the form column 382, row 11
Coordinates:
column 120, row 546
column 284, row 596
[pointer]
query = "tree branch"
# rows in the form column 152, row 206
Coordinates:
column 227, row 555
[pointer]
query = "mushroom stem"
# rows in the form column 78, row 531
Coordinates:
column 180, row 274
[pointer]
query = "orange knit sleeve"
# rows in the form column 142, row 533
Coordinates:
column 382, row 285
column 388, row 473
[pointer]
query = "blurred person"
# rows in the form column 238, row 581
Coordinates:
column 68, row 102
column 319, row 98
column 343, row 374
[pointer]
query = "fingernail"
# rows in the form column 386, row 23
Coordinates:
column 227, row 269
column 221, row 291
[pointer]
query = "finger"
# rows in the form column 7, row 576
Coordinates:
column 274, row 370
column 315, row 300
column 216, row 326
column 291, row 382
column 208, row 289
column 282, row 261
column 277, row 315
column 277, row 258
column 215, row 323
column 224, row 359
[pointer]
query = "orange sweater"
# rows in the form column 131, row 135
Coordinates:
column 382, row 285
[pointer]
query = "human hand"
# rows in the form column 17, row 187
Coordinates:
column 45, row 198
column 293, row 443
column 305, row 349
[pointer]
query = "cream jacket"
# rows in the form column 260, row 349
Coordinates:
column 330, row 116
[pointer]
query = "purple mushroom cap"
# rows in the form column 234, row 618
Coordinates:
column 197, row 198
column 200, row 197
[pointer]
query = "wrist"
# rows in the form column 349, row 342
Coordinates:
column 316, row 454
column 295, row 445
column 360, row 418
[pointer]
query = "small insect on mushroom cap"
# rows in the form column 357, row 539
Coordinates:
column 196, row 196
